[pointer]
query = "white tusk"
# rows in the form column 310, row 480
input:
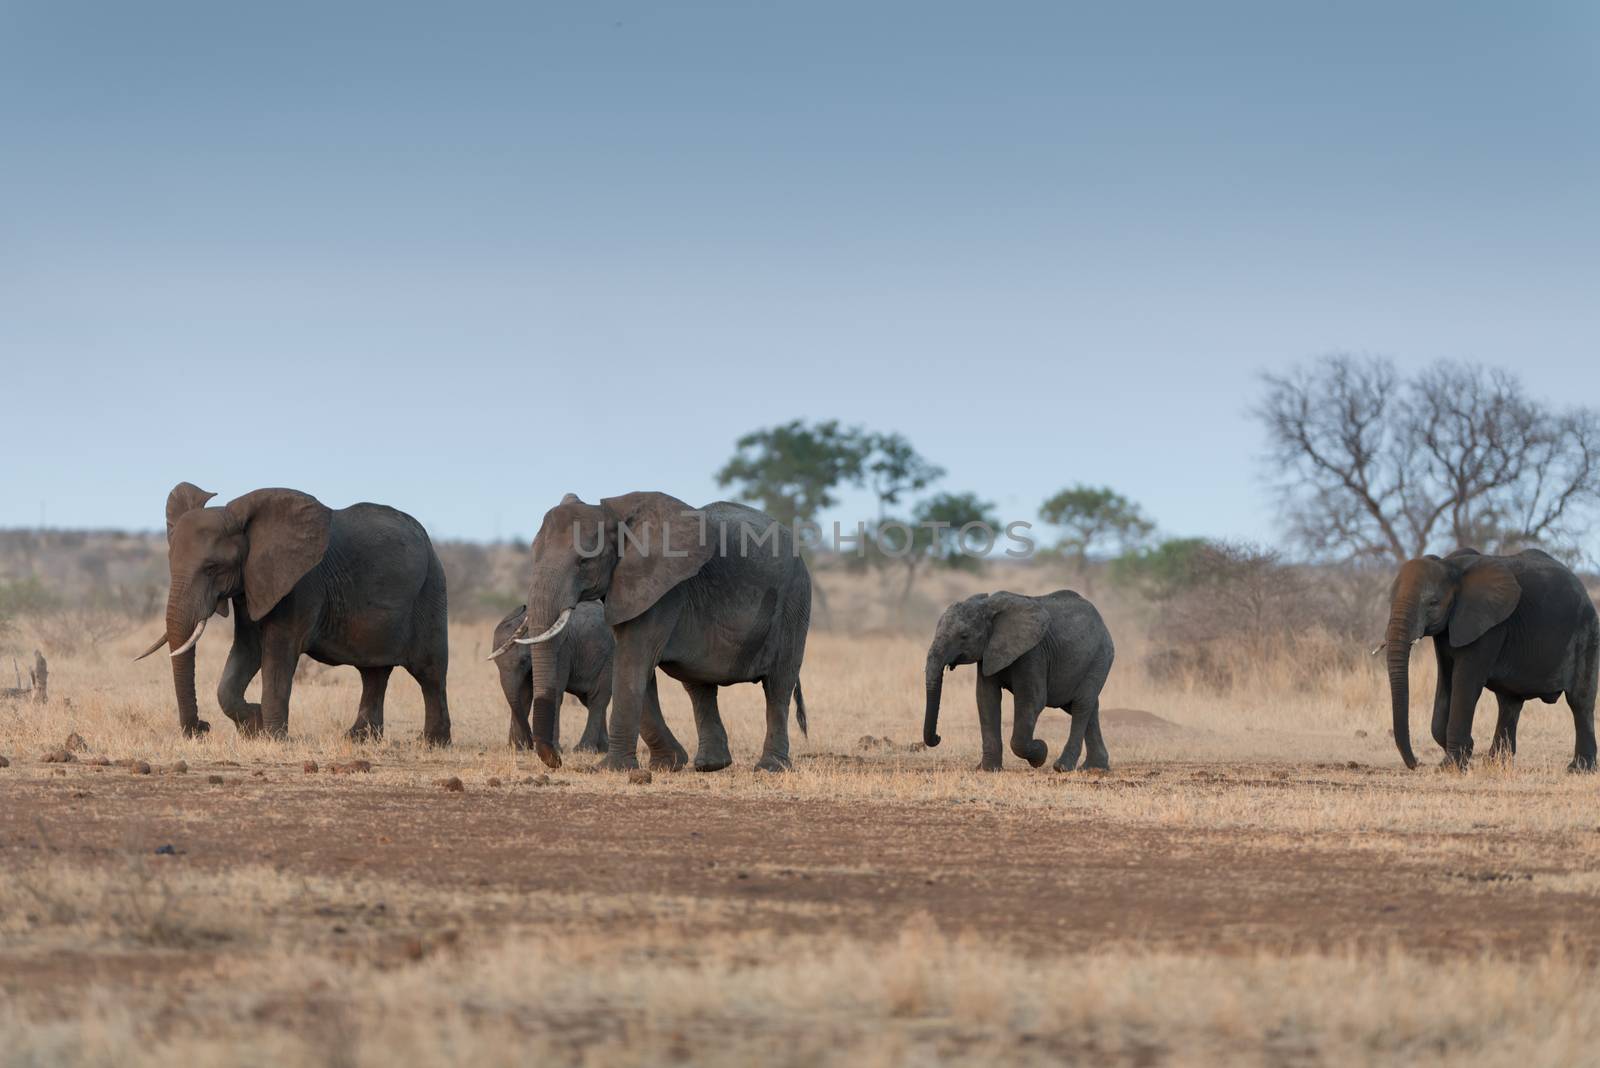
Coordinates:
column 500, row 650
column 159, row 643
column 199, row 629
column 1379, row 648
column 555, row 628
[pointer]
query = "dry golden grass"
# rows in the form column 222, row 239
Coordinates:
column 131, row 959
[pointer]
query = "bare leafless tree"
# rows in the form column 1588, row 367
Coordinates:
column 1370, row 464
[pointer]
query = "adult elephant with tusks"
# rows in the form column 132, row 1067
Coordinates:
column 1519, row 626
column 359, row 586
column 713, row 596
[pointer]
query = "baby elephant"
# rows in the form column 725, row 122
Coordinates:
column 576, row 661
column 1050, row 652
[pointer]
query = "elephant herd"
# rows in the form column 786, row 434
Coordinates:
column 720, row 595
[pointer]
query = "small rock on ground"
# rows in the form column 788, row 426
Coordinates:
column 57, row 756
column 639, row 776
column 139, row 767
column 452, row 784
column 4, row 763
column 75, row 743
column 354, row 767
column 309, row 767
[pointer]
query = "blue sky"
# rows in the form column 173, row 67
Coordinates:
column 465, row 258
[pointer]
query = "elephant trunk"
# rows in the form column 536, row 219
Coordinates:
column 1399, row 637
column 180, row 627
column 546, row 702
column 930, row 718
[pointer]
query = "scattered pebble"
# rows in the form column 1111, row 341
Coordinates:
column 139, row 767
column 639, row 777
column 354, row 767
column 215, row 780
column 258, row 774
column 166, row 851
column 97, row 761
column 58, row 756
column 309, row 767
column 180, row 768
column 537, row 780
column 1361, row 734
column 4, row 763
column 493, row 781
column 75, row 743
column 452, row 784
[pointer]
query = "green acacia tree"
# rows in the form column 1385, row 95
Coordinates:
column 792, row 471
column 1095, row 517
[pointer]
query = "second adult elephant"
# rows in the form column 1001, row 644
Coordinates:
column 1050, row 652
column 713, row 596
column 576, row 661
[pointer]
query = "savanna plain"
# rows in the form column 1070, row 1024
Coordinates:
column 1257, row 879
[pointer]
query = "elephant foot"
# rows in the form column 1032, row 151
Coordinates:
column 1033, row 752
column 586, row 744
column 617, row 762
column 674, row 759
column 434, row 739
column 196, row 729
column 519, row 741
column 1063, row 767
column 549, row 754
column 773, row 762
column 1456, row 760
column 1581, row 766
column 364, row 731
column 712, row 761
column 989, row 765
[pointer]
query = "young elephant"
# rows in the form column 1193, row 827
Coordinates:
column 576, row 661
column 1050, row 652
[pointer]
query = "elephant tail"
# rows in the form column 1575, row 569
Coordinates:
column 800, row 708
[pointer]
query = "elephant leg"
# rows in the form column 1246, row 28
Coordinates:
column 711, row 748
column 1466, row 685
column 639, row 645
column 369, row 713
column 593, row 739
column 1582, row 704
column 665, row 752
column 1027, row 701
column 279, row 657
column 519, row 696
column 1082, row 712
column 435, row 703
column 1098, row 757
column 244, row 661
column 1441, row 704
column 989, row 722
column 1504, row 746
column 775, row 750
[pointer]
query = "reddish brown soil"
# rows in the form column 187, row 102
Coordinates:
column 1043, row 883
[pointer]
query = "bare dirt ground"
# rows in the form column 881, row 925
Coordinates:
column 1253, row 882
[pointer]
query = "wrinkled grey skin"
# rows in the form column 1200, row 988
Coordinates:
column 581, row 666
column 359, row 586
column 1520, row 626
column 706, row 603
column 1049, row 652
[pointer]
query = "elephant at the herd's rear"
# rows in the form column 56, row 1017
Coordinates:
column 1520, row 626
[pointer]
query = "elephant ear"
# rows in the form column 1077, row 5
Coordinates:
column 185, row 497
column 659, row 545
column 288, row 535
column 1018, row 624
column 1487, row 596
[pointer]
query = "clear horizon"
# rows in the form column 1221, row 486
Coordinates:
column 463, row 263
